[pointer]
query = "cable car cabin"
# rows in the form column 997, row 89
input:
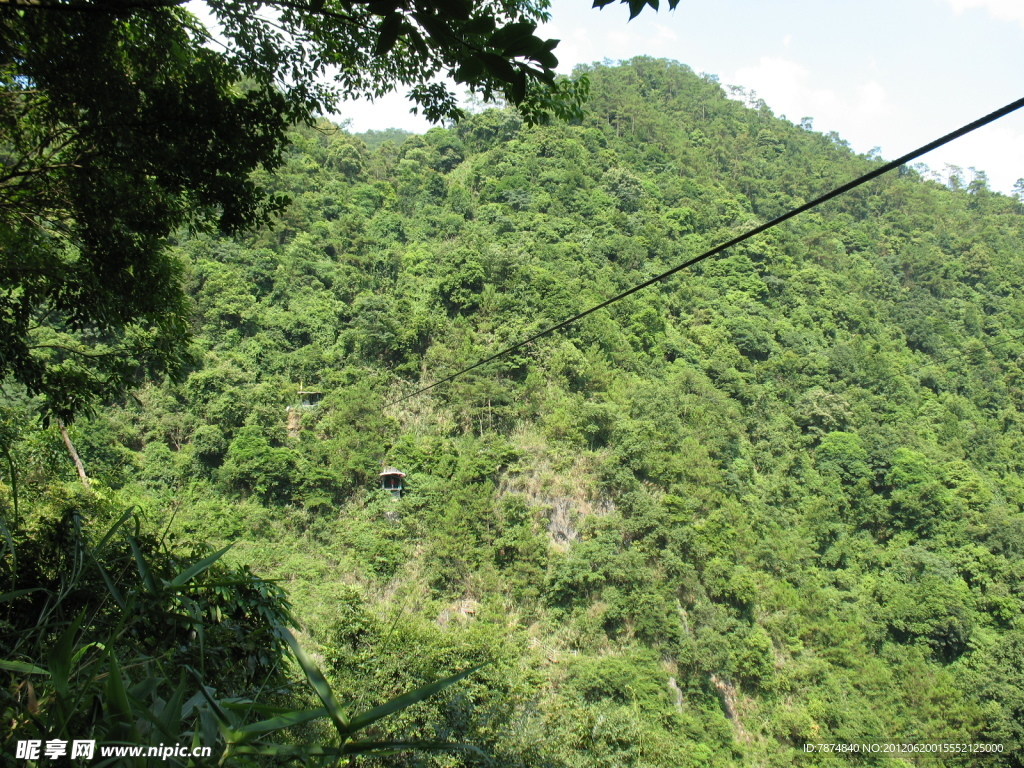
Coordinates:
column 309, row 397
column 391, row 480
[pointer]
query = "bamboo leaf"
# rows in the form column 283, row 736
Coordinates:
column 77, row 657
column 23, row 667
column 319, row 683
column 143, row 566
column 225, row 722
column 218, row 712
column 252, row 706
column 196, row 568
column 286, row 720
column 408, row 699
column 170, row 717
column 113, row 529
column 111, row 587
column 116, row 694
column 115, row 593
column 60, row 658
column 144, row 688
column 10, row 542
column 193, row 703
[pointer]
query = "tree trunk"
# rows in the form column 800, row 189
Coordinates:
column 74, row 454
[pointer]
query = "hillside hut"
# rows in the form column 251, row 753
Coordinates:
column 310, row 397
column 391, row 480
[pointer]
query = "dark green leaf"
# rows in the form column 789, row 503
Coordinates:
column 498, row 67
column 390, row 29
column 469, row 72
column 479, row 25
column 519, row 87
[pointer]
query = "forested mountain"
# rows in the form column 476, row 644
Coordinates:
column 773, row 501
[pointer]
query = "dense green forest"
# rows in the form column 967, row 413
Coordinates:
column 775, row 500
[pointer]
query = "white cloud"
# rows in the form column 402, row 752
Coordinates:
column 625, row 39
column 996, row 149
column 665, row 34
column 1004, row 10
column 576, row 44
column 871, row 99
column 866, row 117
column 385, row 112
column 786, row 88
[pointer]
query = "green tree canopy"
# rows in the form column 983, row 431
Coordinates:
column 120, row 123
column 114, row 132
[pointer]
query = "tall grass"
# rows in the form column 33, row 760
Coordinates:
column 117, row 639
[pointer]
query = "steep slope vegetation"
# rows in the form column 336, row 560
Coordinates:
column 773, row 501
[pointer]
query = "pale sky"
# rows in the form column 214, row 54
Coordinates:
column 893, row 74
